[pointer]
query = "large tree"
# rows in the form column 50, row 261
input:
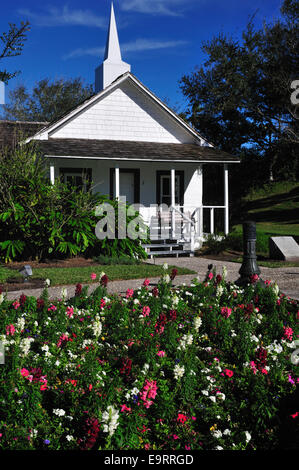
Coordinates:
column 240, row 98
column 47, row 101
column 11, row 45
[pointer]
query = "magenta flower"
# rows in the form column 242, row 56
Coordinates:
column 10, row 330
column 93, row 276
column 129, row 293
column 146, row 311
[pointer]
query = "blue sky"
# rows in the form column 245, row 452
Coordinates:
column 161, row 39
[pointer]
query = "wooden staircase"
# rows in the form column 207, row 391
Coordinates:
column 165, row 243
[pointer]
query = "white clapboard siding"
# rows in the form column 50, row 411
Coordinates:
column 124, row 114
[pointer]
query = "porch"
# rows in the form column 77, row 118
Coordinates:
column 164, row 181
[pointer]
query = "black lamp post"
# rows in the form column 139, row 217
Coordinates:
column 249, row 267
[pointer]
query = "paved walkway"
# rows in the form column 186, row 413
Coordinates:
column 286, row 278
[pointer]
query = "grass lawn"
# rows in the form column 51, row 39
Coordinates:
column 64, row 276
column 274, row 208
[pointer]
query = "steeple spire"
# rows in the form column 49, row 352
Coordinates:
column 112, row 52
column 112, row 66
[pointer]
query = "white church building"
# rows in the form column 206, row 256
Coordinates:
column 126, row 142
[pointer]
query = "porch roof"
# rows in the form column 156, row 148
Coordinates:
column 129, row 150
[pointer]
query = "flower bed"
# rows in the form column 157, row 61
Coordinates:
column 200, row 367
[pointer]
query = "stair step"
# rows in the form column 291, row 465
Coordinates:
column 175, row 252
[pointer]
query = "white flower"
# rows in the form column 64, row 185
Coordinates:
column 97, row 326
column 25, row 345
column 213, row 399
column 197, row 323
column 59, row 412
column 110, row 418
column 178, row 371
column 64, row 293
column 227, row 432
column 69, row 438
column 217, row 434
column 221, row 396
column 165, row 266
column 20, row 324
column 219, row 290
column 205, row 392
column 166, row 278
column 47, row 282
column 1, row 298
column 248, row 436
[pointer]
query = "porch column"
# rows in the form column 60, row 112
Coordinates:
column 116, row 182
column 200, row 200
column 172, row 188
column 226, row 200
column 52, row 174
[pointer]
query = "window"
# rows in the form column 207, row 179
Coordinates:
column 78, row 178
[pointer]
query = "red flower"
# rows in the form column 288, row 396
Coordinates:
column 78, row 289
column 181, row 418
column 173, row 273
column 228, row 372
column 104, row 280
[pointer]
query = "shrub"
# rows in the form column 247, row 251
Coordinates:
column 199, row 367
column 215, row 244
column 40, row 220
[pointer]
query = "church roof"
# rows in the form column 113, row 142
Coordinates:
column 129, row 150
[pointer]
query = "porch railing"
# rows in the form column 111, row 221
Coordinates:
column 196, row 217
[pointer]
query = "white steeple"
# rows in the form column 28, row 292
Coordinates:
column 112, row 66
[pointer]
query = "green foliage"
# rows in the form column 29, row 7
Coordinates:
column 40, row 220
column 215, row 244
column 48, row 100
column 240, row 98
column 12, row 46
column 199, row 367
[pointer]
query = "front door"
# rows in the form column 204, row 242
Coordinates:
column 129, row 184
column 126, row 186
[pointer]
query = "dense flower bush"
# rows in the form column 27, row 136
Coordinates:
column 200, row 367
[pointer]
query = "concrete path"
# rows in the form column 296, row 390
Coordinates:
column 286, row 278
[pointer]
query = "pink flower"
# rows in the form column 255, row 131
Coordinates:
column 228, row 372
column 264, row 371
column 124, row 408
column 210, row 276
column 181, row 418
column 254, row 278
column 24, row 372
column 129, row 293
column 146, row 282
column 16, row 304
column 146, row 311
column 226, row 312
column 10, row 330
column 253, row 367
column 175, row 436
column 52, row 308
column 288, row 333
column 161, row 353
column 149, row 392
column 70, row 312
column 93, row 276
